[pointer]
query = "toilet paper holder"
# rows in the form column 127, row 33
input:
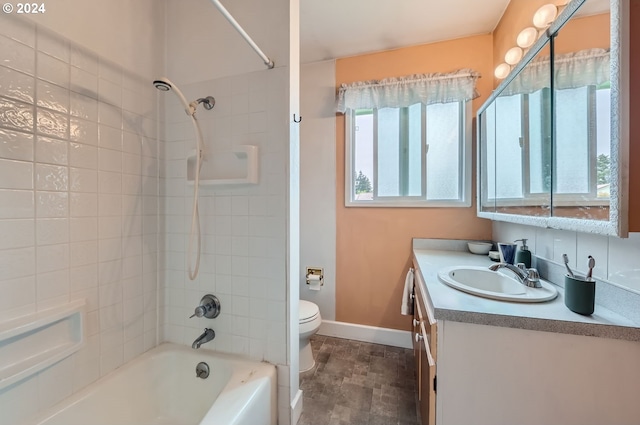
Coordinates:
column 315, row 274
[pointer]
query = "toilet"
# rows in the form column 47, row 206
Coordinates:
column 310, row 321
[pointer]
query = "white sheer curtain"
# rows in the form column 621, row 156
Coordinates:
column 405, row 91
column 572, row 70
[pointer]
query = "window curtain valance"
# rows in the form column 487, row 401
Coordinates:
column 572, row 70
column 409, row 90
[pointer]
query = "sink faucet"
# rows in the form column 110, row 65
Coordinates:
column 528, row 277
column 206, row 336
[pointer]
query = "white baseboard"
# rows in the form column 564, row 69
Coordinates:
column 296, row 408
column 366, row 333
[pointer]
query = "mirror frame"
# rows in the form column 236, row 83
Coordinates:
column 619, row 194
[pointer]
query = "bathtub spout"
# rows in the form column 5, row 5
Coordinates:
column 207, row 336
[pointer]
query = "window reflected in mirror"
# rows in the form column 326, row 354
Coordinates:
column 582, row 149
column 517, row 152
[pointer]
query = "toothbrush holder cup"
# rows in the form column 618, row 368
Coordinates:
column 507, row 252
column 579, row 294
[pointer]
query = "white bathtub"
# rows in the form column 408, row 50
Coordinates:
column 161, row 388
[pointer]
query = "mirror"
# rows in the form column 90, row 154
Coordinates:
column 549, row 137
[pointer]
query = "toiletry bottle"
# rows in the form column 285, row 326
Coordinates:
column 523, row 255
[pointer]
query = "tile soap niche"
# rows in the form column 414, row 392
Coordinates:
column 239, row 165
column 34, row 342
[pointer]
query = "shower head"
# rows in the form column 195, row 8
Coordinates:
column 164, row 84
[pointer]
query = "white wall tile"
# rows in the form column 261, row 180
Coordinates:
column 53, row 69
column 596, row 246
column 84, row 107
column 83, row 205
column 83, row 156
column 615, row 258
column 52, row 96
column 17, row 293
column 51, row 44
column 52, row 231
column 52, row 177
column 17, row 85
column 52, row 151
column 16, row 174
column 16, row 145
column 12, row 108
column 83, row 131
column 17, row 56
column 83, row 81
column 623, row 265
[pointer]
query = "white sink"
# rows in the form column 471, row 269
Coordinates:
column 485, row 283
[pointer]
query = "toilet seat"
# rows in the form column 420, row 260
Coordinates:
column 307, row 312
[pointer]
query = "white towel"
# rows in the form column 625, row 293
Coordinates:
column 407, row 305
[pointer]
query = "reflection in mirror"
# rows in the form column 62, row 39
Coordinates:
column 582, row 94
column 518, row 148
column 487, row 136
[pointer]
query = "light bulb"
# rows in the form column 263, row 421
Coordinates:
column 527, row 37
column 502, row 71
column 545, row 16
column 513, row 55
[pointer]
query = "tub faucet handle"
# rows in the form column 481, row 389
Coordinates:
column 199, row 311
column 209, row 307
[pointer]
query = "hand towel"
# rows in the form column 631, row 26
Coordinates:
column 407, row 305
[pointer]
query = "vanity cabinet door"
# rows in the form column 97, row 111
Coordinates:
column 427, row 383
column 417, row 320
column 425, row 315
column 424, row 348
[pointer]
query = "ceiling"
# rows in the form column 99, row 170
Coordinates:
column 332, row 29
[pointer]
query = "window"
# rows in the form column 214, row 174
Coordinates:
column 418, row 155
column 408, row 140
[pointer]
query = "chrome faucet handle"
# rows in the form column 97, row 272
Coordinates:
column 209, row 307
column 533, row 278
column 199, row 311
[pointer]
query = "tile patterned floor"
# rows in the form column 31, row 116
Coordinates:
column 357, row 383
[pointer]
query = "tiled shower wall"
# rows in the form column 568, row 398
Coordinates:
column 244, row 229
column 243, row 258
column 78, row 204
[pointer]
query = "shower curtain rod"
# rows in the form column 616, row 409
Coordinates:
column 268, row 62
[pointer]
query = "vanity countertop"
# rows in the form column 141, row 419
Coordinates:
column 551, row 316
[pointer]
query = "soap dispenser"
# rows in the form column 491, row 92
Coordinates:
column 523, row 255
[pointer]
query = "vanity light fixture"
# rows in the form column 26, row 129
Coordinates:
column 513, row 55
column 527, row 37
column 502, row 71
column 545, row 15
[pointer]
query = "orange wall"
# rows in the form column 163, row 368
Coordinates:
column 584, row 33
column 517, row 16
column 373, row 245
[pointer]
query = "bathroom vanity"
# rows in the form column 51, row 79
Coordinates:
column 483, row 361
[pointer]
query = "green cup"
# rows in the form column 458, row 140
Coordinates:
column 579, row 294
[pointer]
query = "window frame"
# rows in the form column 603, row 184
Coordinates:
column 465, row 167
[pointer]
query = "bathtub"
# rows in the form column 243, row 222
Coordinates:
column 161, row 388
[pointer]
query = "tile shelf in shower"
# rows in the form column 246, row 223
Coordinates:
column 239, row 165
column 36, row 341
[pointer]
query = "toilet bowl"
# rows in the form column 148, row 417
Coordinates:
column 310, row 321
